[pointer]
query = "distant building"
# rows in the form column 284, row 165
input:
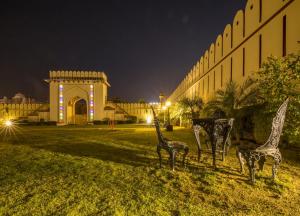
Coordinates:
column 22, row 107
column 4, row 100
column 19, row 98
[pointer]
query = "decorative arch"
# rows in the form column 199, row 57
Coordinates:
column 197, row 70
column 227, row 39
column 211, row 60
column 206, row 61
column 218, row 48
column 194, row 73
column 238, row 28
column 201, row 66
column 190, row 77
column 252, row 16
column 70, row 97
column 78, row 111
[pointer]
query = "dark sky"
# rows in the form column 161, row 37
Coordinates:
column 144, row 47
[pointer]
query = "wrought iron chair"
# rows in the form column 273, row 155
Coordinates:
column 172, row 147
column 252, row 153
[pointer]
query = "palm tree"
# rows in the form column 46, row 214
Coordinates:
column 230, row 100
column 191, row 107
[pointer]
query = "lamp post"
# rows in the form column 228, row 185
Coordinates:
column 161, row 99
column 164, row 109
column 169, row 127
column 168, row 104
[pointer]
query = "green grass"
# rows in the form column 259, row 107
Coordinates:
column 97, row 171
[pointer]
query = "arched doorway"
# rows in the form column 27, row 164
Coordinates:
column 81, row 112
column 77, row 111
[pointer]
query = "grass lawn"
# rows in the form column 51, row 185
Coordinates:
column 97, row 171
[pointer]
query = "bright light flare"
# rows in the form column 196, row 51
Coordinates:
column 8, row 123
column 168, row 103
column 9, row 129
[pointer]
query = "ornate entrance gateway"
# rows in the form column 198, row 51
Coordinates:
column 77, row 97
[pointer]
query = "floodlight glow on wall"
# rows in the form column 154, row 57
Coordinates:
column 91, row 102
column 149, row 119
column 61, row 103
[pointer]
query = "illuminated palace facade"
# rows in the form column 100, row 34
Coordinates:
column 76, row 97
column 262, row 29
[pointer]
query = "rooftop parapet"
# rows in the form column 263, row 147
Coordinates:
column 77, row 75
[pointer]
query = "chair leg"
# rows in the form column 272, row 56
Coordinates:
column 213, row 148
column 250, row 163
column 159, row 155
column 173, row 160
column 228, row 146
column 277, row 161
column 186, row 151
column 240, row 157
column 224, row 152
column 253, row 170
column 199, row 154
column 261, row 163
column 206, row 143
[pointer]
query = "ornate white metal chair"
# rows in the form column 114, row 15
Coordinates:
column 254, row 153
column 172, row 147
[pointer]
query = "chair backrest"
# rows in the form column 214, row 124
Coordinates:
column 230, row 125
column 277, row 125
column 226, row 128
column 157, row 127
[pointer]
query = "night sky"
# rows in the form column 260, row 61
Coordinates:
column 144, row 47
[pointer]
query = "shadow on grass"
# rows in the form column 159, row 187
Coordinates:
column 100, row 151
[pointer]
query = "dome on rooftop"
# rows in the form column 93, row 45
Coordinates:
column 19, row 95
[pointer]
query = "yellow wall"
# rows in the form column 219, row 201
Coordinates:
column 16, row 111
column 236, row 50
column 140, row 110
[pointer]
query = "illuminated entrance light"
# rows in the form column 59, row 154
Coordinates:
column 91, row 102
column 61, row 103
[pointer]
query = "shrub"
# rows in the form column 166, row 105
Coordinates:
column 279, row 78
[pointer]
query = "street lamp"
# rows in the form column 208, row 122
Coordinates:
column 164, row 109
column 168, row 104
column 169, row 127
